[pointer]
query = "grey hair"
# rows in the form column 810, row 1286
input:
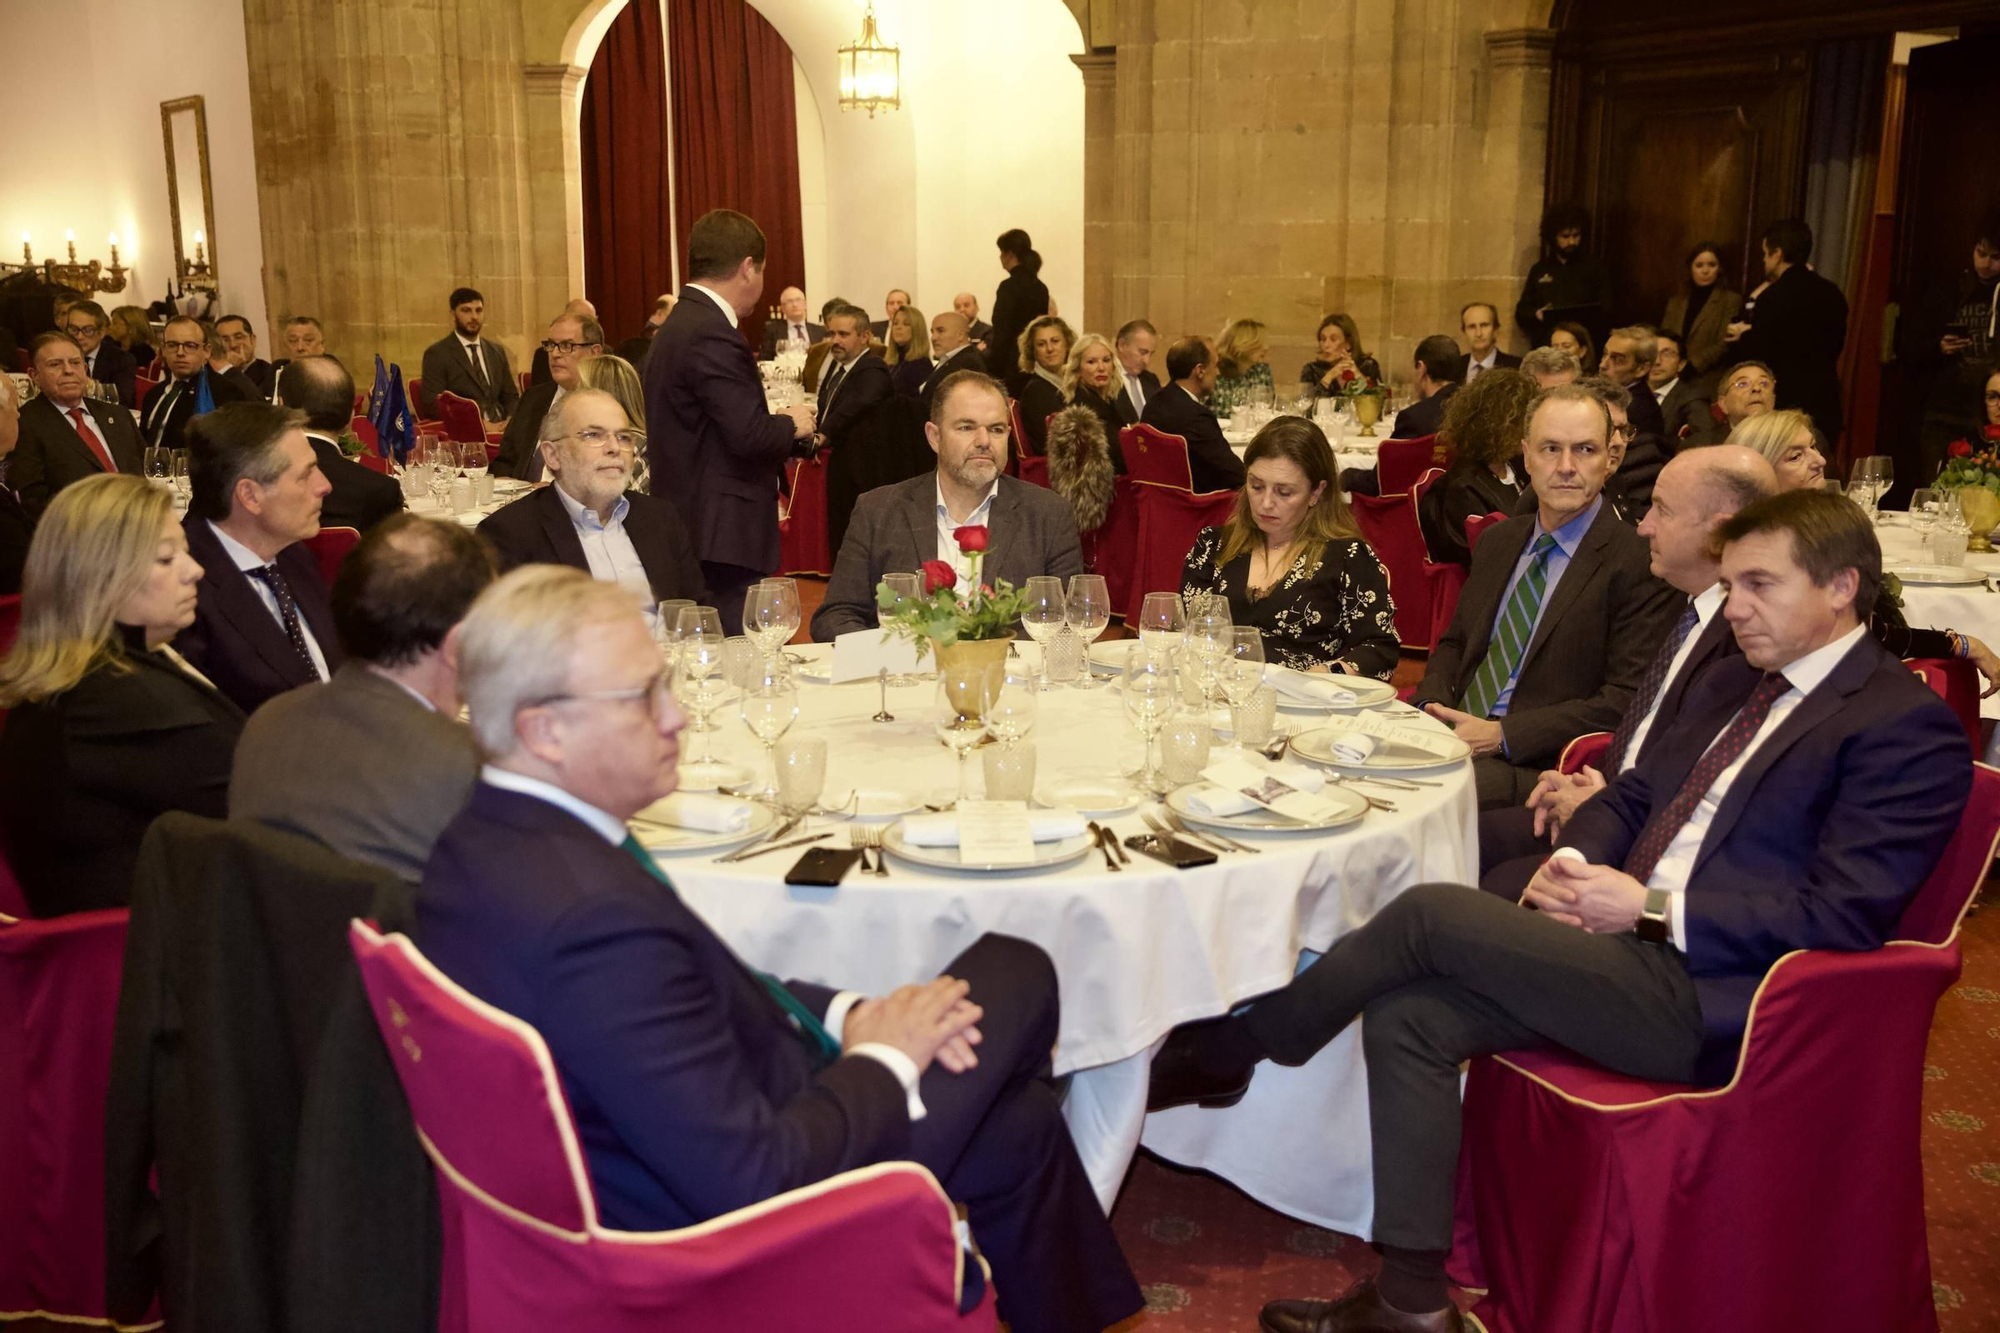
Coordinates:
column 556, row 424
column 1611, row 391
column 1550, row 361
column 1645, row 346
column 1569, row 393
column 516, row 644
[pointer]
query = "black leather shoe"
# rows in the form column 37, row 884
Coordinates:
column 1180, row 1078
column 1360, row 1311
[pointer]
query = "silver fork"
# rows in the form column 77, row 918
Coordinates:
column 1202, row 838
column 857, row 838
column 872, row 835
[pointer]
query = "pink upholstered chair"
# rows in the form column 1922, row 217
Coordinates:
column 1171, row 512
column 1957, row 682
column 1445, row 580
column 1792, row 1197
column 802, row 528
column 1399, row 463
column 460, row 418
column 870, row 1251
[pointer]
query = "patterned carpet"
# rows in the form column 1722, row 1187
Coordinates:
column 1209, row 1257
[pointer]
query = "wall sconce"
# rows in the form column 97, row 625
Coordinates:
column 86, row 276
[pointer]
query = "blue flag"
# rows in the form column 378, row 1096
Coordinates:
column 389, row 413
column 204, row 397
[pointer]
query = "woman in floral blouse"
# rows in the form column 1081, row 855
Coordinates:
column 1292, row 563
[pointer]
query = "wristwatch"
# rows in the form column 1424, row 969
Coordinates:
column 1651, row 926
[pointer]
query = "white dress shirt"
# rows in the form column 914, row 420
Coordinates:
column 1472, row 368
column 477, row 357
column 1660, row 392
column 612, row 829
column 607, row 547
column 1706, row 604
column 728, row 311
column 247, row 560
column 947, row 545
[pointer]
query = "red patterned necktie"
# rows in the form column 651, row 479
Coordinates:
column 90, row 440
column 1661, row 829
column 1650, row 686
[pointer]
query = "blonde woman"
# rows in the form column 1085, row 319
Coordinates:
column 131, row 330
column 617, row 377
column 1787, row 441
column 1240, row 365
column 1045, row 347
column 1090, row 379
column 909, row 353
column 1291, row 561
column 108, row 726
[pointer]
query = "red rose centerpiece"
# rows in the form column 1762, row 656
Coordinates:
column 966, row 622
column 1973, row 471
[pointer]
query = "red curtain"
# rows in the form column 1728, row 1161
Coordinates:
column 626, row 263
column 735, row 131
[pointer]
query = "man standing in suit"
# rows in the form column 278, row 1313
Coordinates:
column 1558, row 617
column 262, row 624
column 104, row 361
column 468, row 365
column 194, row 384
column 793, row 326
column 1030, row 529
column 855, row 378
column 966, row 304
column 700, row 1086
column 1480, row 323
column 1798, row 330
column 590, row 518
column 1628, row 359
column 1697, row 492
column 1179, row 409
column 1672, row 390
column 951, row 351
column 573, row 339
column 1803, row 813
column 65, row 436
column 715, row 448
column 239, row 343
column 374, row 763
column 1134, row 349
column 321, row 388
column 1437, row 367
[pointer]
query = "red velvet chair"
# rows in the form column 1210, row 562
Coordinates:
column 460, row 418
column 802, row 529
column 1389, row 524
column 58, row 1001
column 10, row 622
column 1587, row 749
column 1112, row 549
column 1446, row 580
column 1035, row 469
column 869, row 1251
column 1957, row 682
column 1476, row 526
column 415, row 389
column 1790, row 1198
column 1171, row 512
column 330, row 546
column 1020, row 448
column 364, row 431
column 1399, row 463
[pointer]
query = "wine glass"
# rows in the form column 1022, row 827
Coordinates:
column 1010, row 713
column 1162, row 621
column 906, row 589
column 159, row 464
column 667, row 627
column 1148, row 691
column 765, row 613
column 1923, row 513
column 702, row 687
column 788, row 615
column 1087, row 611
column 965, row 689
column 1208, row 626
column 182, row 481
column 1241, row 671
column 1044, row 608
column 769, row 707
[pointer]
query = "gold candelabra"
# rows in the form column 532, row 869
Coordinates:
column 86, row 276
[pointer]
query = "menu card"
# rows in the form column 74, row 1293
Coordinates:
column 864, row 654
column 995, row 833
column 1424, row 740
column 1263, row 787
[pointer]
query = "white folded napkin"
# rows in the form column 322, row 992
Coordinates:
column 704, row 814
column 942, row 830
column 1351, row 747
column 1217, row 802
column 1309, row 689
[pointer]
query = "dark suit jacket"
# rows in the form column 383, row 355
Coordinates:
column 1675, row 406
column 1798, row 330
column 1020, row 300
column 1149, row 383
column 1700, row 422
column 115, row 366
column 258, row 374
column 967, row 357
column 979, row 331
column 1502, row 360
column 51, row 454
column 164, row 417
column 867, row 382
column 235, row 640
column 1849, row 804
column 692, row 1093
column 83, row 773
column 536, row 529
column 1212, row 462
column 774, row 333
column 1039, row 400
column 1632, row 484
column 894, row 530
column 361, row 497
column 311, row 762
column 1424, row 416
column 1598, row 632
column 1702, row 346
column 1715, row 644
column 1645, row 410
column 16, row 531
column 520, row 454
column 447, row 369
column 714, row 447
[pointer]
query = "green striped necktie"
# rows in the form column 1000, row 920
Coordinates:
column 1511, row 635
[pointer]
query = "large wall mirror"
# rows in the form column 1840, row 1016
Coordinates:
column 184, row 124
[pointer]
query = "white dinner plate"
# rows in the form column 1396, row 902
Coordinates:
column 1952, row 576
column 1260, row 820
column 1440, row 749
column 812, row 662
column 1108, row 659
column 724, row 774
column 671, row 841
column 1060, row 851
column 1367, row 692
column 876, row 803
column 1093, row 797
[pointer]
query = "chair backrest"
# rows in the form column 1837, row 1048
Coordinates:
column 1956, row 681
column 461, row 420
column 1935, row 912
column 1035, row 469
column 1155, row 457
column 481, row 1084
column 1389, row 524
column 1476, row 525
column 1399, row 463
column 330, row 546
column 1420, row 491
column 415, row 390
column 1588, row 748
column 10, row 622
column 527, row 378
column 364, row 431
column 1020, row 437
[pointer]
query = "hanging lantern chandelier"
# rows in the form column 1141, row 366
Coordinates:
column 870, row 71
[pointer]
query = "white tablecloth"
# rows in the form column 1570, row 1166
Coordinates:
column 1138, row 952
column 1971, row 609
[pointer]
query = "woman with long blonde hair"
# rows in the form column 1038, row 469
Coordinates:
column 1240, row 365
column 1045, row 348
column 909, row 350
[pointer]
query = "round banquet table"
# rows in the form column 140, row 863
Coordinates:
column 1137, row 952
column 1971, row 609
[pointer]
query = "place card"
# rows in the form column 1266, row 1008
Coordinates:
column 864, row 654
column 1262, row 787
column 995, row 833
column 1439, row 744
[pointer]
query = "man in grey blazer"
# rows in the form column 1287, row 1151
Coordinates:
column 374, row 762
column 895, row 529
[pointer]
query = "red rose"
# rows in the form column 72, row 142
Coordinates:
column 1960, row 449
column 940, row 574
column 1991, row 433
column 970, row 539
column 1346, row 375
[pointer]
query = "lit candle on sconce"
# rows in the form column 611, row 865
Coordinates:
column 69, row 238
column 27, row 251
column 114, row 249
column 199, row 240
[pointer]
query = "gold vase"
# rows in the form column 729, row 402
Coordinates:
column 1368, row 411
column 957, row 664
column 1981, row 508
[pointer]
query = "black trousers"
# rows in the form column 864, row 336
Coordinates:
column 727, row 586
column 1499, row 783
column 996, row 1139
column 1444, row 973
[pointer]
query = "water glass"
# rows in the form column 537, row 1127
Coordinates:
column 1241, row 673
column 1256, row 718
column 906, row 589
column 739, row 661
column 1010, row 772
column 771, row 613
column 1184, row 746
column 1948, row 545
column 1923, row 513
column 965, row 689
column 701, row 684
column 1010, row 713
column 667, row 627
column 801, row 764
column 1063, row 658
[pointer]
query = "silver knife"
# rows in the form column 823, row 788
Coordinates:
column 763, row 847
column 1182, row 826
column 768, row 838
column 1103, row 836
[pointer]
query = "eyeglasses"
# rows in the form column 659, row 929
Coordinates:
column 1753, row 384
column 183, row 347
column 566, row 348
column 78, row 330
column 1993, row 395
column 627, row 441
column 1625, row 432
column 655, row 692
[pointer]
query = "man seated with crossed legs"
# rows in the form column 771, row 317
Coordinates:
column 1801, row 814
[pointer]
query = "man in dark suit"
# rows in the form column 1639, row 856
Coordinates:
column 464, row 363
column 1748, row 389
column 320, row 387
column 573, row 339
column 262, row 624
column 699, row 1086
column 374, row 763
column 538, row 367
column 716, row 450
column 855, row 378
column 1179, row 409
column 1438, row 367
column 1030, row 529
column 16, row 528
column 792, row 325
column 1697, row 492
column 952, row 350
column 65, row 436
column 590, row 518
column 1479, row 321
column 239, row 341
column 185, row 352
column 1803, row 813
column 966, row 304
column 1673, row 390
column 1628, row 359
column 1137, row 383
column 1798, row 330
column 1558, row 617
column 104, row 361
column 639, row 346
